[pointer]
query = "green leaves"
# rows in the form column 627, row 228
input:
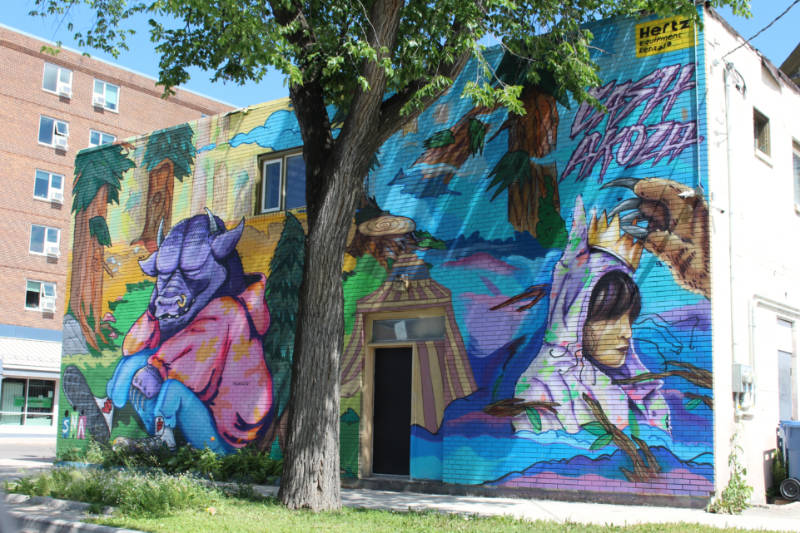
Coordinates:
column 426, row 240
column 604, row 438
column 173, row 144
column 595, row 428
column 512, row 167
column 694, row 403
column 535, row 418
column 95, row 168
column 477, row 135
column 601, row 442
column 99, row 230
column 439, row 139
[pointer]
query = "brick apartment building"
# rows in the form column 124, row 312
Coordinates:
column 52, row 106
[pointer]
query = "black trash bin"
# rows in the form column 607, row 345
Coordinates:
column 790, row 436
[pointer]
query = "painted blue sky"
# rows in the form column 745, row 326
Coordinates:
column 776, row 43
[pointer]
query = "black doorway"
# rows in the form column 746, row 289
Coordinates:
column 391, row 419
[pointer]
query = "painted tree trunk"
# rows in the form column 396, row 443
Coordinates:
column 160, row 183
column 86, row 281
column 311, row 467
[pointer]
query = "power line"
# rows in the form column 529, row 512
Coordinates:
column 762, row 30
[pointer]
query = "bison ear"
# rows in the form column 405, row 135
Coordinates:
column 225, row 243
column 149, row 265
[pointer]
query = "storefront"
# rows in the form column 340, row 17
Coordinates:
column 29, row 373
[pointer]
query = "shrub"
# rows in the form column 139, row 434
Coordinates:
column 135, row 494
column 735, row 497
column 246, row 465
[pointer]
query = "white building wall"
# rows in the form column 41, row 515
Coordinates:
column 755, row 272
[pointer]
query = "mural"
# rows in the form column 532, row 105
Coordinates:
column 547, row 273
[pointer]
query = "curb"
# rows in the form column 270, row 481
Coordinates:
column 46, row 524
column 30, row 520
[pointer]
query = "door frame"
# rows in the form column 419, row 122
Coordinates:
column 366, row 431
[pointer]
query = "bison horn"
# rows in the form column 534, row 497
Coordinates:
column 160, row 234
column 212, row 224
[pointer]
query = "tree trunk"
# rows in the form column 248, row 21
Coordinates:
column 311, row 475
column 160, row 183
column 86, row 280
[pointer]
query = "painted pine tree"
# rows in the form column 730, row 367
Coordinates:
column 282, row 295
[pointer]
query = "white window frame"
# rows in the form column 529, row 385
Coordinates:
column 55, row 132
column 59, row 70
column 796, row 174
column 281, row 161
column 42, row 293
column 96, row 94
column 758, row 115
column 101, row 134
column 45, row 241
column 51, row 190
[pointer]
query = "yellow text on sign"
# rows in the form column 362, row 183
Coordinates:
column 665, row 35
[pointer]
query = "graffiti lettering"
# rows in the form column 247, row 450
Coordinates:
column 638, row 143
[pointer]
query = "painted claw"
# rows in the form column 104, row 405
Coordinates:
column 628, row 183
column 625, row 205
column 631, row 218
column 636, row 232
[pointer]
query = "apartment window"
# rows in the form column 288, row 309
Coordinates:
column 96, row 138
column 40, row 296
column 57, row 80
column 283, row 183
column 105, row 95
column 53, row 132
column 796, row 170
column 761, row 132
column 44, row 240
column 48, row 186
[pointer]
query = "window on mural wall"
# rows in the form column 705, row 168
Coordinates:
column 105, row 95
column 796, row 171
column 761, row 132
column 283, row 183
column 57, row 80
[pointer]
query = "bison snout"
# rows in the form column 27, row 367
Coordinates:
column 172, row 306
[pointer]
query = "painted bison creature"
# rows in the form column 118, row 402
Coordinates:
column 194, row 360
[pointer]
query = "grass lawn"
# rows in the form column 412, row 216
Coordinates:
column 161, row 503
column 241, row 516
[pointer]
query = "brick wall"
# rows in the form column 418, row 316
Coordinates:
column 22, row 102
column 546, row 349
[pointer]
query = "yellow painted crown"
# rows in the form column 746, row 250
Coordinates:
column 606, row 236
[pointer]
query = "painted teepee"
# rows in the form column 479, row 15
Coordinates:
column 441, row 371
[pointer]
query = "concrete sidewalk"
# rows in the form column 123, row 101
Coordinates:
column 45, row 514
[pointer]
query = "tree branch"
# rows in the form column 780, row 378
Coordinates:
column 363, row 118
column 391, row 116
column 309, row 105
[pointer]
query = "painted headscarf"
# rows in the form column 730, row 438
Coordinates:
column 560, row 373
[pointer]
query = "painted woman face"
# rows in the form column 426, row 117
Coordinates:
column 607, row 341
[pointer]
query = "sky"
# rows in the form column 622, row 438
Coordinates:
column 776, row 43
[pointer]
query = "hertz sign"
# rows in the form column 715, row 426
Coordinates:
column 665, row 35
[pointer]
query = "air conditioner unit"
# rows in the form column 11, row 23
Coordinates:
column 63, row 89
column 48, row 303
column 51, row 250
column 57, row 196
column 98, row 100
column 60, row 141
